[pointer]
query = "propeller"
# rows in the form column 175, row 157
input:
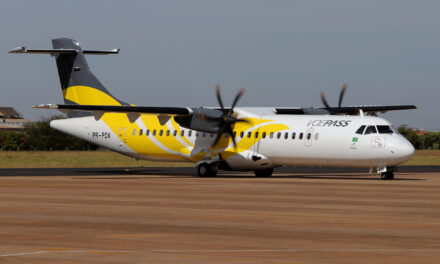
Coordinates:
column 341, row 97
column 227, row 119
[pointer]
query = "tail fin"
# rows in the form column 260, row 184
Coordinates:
column 78, row 83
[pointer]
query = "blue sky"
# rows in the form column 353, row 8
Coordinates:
column 284, row 53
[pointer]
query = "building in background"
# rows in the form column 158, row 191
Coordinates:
column 11, row 120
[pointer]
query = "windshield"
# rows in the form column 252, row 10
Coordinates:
column 370, row 130
column 384, row 130
column 360, row 130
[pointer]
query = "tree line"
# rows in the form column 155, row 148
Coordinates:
column 40, row 136
column 425, row 140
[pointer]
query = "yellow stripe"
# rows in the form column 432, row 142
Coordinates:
column 85, row 95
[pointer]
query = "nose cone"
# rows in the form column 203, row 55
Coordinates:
column 406, row 150
column 402, row 150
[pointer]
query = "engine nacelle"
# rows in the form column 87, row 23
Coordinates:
column 202, row 119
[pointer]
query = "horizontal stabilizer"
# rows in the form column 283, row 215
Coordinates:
column 54, row 52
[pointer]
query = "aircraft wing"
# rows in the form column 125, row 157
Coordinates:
column 119, row 109
column 133, row 112
column 350, row 110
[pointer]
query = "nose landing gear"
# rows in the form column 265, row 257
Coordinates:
column 386, row 173
column 389, row 175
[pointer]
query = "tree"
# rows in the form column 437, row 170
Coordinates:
column 40, row 136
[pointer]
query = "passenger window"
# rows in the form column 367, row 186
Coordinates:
column 182, row 133
column 286, row 135
column 204, row 134
column 301, row 136
column 256, row 134
column 160, row 133
column 264, row 135
column 147, row 133
column 212, row 135
column 241, row 134
column 360, row 130
column 279, row 135
column 249, row 134
column 197, row 134
column 384, row 130
column 175, row 133
column 154, row 132
column 189, row 133
column 309, row 136
column 316, row 136
column 370, row 130
column 140, row 132
column 293, row 135
column 271, row 134
column 134, row 132
column 168, row 133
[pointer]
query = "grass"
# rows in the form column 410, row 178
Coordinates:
column 425, row 157
column 97, row 159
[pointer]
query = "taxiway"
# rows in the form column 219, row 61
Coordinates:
column 156, row 215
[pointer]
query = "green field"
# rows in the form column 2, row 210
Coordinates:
column 425, row 157
column 96, row 159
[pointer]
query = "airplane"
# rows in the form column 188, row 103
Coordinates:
column 233, row 138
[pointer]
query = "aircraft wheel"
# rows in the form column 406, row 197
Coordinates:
column 263, row 173
column 206, row 170
column 389, row 175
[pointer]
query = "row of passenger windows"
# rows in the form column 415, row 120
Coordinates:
column 365, row 130
column 278, row 135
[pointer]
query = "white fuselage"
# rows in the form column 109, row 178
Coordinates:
column 316, row 140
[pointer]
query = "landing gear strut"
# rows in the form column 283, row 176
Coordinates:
column 386, row 173
column 207, row 170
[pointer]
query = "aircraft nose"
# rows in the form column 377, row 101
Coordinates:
column 407, row 149
column 404, row 149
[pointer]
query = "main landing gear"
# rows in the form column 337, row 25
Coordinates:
column 210, row 170
column 207, row 169
column 263, row 173
column 386, row 173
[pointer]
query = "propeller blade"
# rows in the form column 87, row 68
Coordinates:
column 324, row 101
column 341, row 95
column 219, row 98
column 231, row 134
column 217, row 139
column 237, row 97
column 242, row 121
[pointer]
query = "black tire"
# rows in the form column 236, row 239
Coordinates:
column 389, row 175
column 206, row 170
column 263, row 173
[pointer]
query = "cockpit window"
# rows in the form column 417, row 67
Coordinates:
column 360, row 130
column 370, row 130
column 384, row 130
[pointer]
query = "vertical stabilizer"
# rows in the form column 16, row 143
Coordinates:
column 78, row 83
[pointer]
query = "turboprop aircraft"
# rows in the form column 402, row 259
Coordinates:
column 230, row 138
